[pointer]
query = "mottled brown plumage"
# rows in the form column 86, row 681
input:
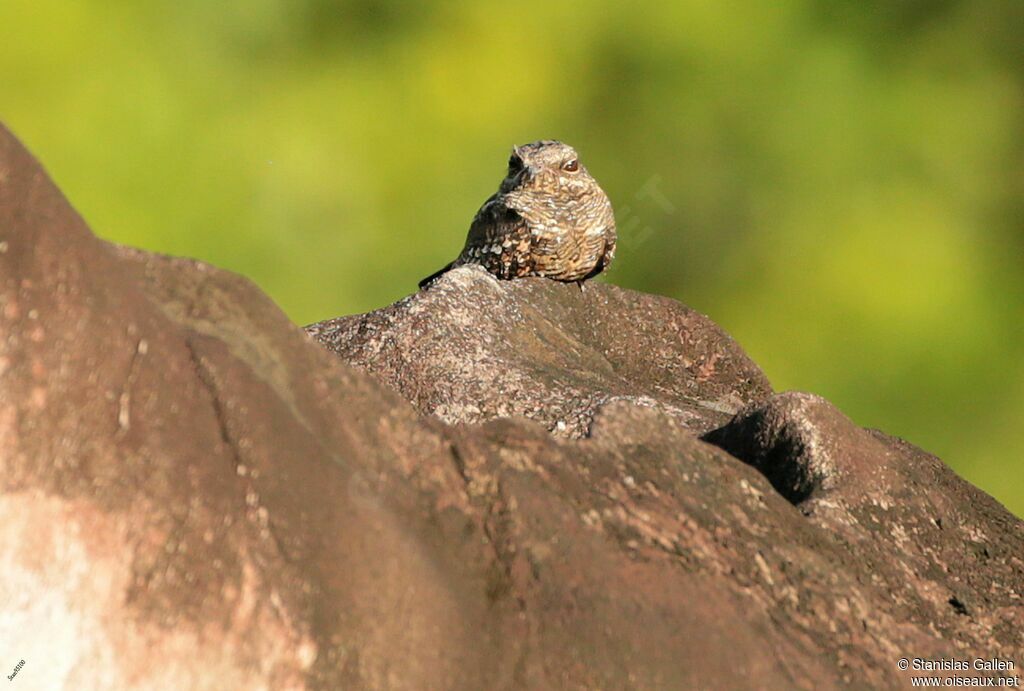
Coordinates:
column 548, row 218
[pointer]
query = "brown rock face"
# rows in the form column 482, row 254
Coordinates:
column 194, row 494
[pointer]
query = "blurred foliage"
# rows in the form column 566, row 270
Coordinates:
column 840, row 184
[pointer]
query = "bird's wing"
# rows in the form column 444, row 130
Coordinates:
column 498, row 240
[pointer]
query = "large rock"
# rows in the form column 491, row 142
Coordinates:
column 470, row 349
column 194, row 494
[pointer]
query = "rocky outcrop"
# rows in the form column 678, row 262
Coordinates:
column 195, row 494
column 470, row 349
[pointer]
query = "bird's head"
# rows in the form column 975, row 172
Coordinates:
column 547, row 167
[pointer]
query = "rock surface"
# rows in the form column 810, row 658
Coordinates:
column 194, row 494
column 471, row 348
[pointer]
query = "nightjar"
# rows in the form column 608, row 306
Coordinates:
column 548, row 218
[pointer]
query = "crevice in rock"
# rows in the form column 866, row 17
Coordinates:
column 208, row 385
column 958, row 606
column 494, row 522
column 220, row 415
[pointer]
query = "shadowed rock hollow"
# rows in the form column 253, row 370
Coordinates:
column 195, row 494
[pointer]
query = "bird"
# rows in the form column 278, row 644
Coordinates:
column 549, row 218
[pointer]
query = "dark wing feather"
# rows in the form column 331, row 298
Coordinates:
column 499, row 240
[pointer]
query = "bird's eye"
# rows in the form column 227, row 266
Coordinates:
column 571, row 166
column 514, row 163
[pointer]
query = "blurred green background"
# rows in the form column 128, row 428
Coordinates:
column 839, row 184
